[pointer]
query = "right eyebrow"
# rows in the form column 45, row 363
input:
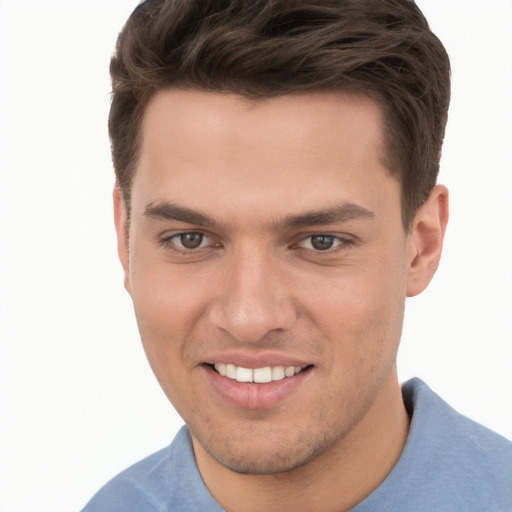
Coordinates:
column 170, row 211
column 343, row 212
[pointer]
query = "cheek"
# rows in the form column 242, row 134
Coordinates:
column 168, row 306
column 361, row 310
column 165, row 297
column 165, row 320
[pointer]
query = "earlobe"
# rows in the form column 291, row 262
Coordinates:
column 425, row 242
column 121, row 224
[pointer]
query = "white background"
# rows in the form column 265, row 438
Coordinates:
column 78, row 402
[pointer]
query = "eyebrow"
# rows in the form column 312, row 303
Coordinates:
column 170, row 211
column 339, row 213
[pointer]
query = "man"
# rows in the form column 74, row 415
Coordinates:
column 276, row 202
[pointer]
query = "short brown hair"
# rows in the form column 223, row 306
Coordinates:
column 265, row 48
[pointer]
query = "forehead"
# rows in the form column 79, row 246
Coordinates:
column 228, row 121
column 289, row 151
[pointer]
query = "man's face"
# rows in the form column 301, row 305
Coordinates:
column 266, row 238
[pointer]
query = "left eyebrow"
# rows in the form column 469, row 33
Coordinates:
column 170, row 211
column 338, row 213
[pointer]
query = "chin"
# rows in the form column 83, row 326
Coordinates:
column 278, row 454
column 265, row 464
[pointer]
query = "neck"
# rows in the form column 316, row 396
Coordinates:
column 333, row 482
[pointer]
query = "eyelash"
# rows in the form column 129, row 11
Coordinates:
column 169, row 243
column 343, row 243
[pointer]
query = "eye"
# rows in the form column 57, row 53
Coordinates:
column 190, row 240
column 187, row 241
column 322, row 242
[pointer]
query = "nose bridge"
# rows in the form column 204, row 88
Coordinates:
column 253, row 298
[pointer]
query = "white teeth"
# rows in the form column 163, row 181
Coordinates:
column 231, row 371
column 258, row 375
column 244, row 374
column 289, row 371
column 278, row 373
column 221, row 368
column 262, row 375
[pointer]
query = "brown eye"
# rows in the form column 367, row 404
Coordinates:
column 191, row 240
column 322, row 242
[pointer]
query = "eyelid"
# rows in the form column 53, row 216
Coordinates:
column 344, row 240
column 167, row 240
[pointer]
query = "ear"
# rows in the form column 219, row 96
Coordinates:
column 425, row 240
column 121, row 223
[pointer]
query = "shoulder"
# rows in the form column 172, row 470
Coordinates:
column 459, row 461
column 449, row 463
column 437, row 427
column 166, row 481
column 136, row 488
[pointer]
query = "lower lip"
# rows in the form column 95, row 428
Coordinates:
column 255, row 396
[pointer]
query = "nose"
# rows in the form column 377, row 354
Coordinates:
column 252, row 298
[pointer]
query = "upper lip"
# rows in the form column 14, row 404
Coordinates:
column 257, row 360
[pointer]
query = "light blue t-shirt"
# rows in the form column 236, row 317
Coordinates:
column 449, row 464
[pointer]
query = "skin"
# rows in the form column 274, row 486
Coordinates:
column 257, row 287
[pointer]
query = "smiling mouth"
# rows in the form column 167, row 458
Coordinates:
column 257, row 375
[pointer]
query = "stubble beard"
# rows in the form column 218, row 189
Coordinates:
column 274, row 451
